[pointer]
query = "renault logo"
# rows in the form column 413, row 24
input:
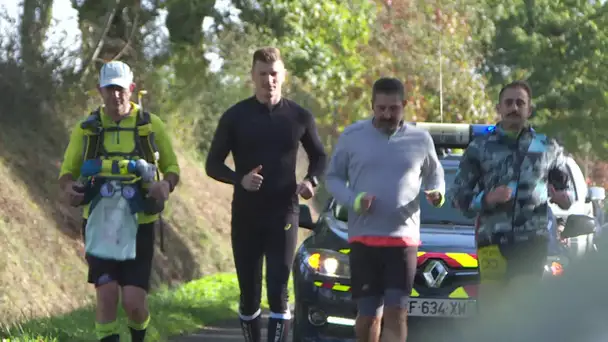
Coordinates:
column 434, row 273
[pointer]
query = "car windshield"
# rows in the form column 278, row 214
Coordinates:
column 428, row 213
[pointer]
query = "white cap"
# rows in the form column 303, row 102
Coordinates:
column 115, row 73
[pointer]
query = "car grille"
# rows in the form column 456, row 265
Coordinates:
column 436, row 278
column 460, row 282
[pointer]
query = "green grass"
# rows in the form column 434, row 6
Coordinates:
column 181, row 310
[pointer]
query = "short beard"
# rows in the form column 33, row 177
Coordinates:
column 384, row 127
column 513, row 126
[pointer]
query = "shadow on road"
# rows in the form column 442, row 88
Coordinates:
column 215, row 333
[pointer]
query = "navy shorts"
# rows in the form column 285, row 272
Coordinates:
column 374, row 270
column 135, row 272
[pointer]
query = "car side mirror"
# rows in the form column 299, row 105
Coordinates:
column 577, row 225
column 306, row 217
column 596, row 193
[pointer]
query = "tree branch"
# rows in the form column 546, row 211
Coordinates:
column 131, row 35
column 109, row 18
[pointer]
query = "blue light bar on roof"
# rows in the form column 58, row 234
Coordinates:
column 479, row 129
column 454, row 135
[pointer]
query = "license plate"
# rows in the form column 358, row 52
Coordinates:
column 441, row 307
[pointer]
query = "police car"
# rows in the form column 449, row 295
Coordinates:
column 446, row 281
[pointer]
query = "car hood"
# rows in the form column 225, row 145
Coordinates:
column 444, row 238
column 441, row 238
column 447, row 238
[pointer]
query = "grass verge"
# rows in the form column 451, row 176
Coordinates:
column 184, row 309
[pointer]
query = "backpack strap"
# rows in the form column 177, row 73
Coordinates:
column 144, row 118
column 145, row 146
column 145, row 138
column 149, row 151
column 93, row 137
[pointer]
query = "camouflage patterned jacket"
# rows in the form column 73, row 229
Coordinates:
column 527, row 163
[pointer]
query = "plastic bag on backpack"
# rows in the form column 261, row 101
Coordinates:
column 111, row 229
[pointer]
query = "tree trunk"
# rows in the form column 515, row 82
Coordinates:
column 35, row 22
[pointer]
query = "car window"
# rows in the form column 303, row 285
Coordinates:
column 428, row 213
column 577, row 180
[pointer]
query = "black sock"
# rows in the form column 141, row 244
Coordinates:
column 252, row 329
column 138, row 330
column 278, row 330
column 137, row 335
column 111, row 338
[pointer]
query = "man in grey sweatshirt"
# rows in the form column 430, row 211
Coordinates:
column 377, row 170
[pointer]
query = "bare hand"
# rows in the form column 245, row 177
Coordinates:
column 434, row 197
column 501, row 194
column 74, row 193
column 160, row 190
column 253, row 180
column 306, row 190
column 366, row 203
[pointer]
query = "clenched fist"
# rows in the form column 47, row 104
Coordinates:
column 501, row 194
column 365, row 203
column 306, row 190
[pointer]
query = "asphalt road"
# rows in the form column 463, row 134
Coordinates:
column 572, row 308
column 224, row 332
column 229, row 331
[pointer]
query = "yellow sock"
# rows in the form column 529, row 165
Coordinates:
column 138, row 330
column 140, row 326
column 106, row 329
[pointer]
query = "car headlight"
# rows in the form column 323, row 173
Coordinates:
column 554, row 266
column 328, row 263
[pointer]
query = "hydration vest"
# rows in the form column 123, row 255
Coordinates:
column 142, row 133
column 145, row 146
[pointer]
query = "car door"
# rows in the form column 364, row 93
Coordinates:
column 583, row 244
column 579, row 186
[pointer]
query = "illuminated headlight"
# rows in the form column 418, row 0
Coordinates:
column 328, row 263
column 554, row 266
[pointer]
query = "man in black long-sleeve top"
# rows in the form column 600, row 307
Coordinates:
column 263, row 133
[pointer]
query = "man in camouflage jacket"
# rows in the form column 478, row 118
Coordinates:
column 506, row 179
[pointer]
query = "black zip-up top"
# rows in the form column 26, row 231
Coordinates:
column 257, row 135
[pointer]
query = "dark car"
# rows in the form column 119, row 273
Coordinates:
column 446, row 281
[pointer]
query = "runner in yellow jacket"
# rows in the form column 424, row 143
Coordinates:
column 109, row 168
